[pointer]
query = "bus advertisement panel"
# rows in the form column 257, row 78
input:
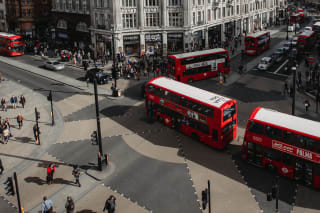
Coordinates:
column 285, row 144
column 257, row 42
column 205, row 116
column 11, row 45
column 194, row 66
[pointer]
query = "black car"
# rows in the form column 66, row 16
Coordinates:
column 102, row 77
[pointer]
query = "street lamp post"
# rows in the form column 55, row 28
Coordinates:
column 294, row 70
column 98, row 124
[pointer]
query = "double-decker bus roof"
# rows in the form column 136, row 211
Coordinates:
column 287, row 121
column 8, row 35
column 257, row 34
column 203, row 52
column 306, row 33
column 190, row 91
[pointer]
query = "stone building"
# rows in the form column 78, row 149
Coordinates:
column 3, row 14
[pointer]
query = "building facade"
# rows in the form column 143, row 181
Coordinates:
column 70, row 22
column 172, row 26
column 29, row 17
column 3, row 14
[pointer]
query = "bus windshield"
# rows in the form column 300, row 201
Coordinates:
column 229, row 112
column 250, row 40
column 16, row 40
column 17, row 49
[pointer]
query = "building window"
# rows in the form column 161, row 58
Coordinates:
column 174, row 2
column 209, row 15
column 129, row 20
column 129, row 3
column 152, row 19
column 152, row 2
column 82, row 27
column 62, row 24
column 175, row 19
column 194, row 18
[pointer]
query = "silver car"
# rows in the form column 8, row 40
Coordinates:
column 53, row 65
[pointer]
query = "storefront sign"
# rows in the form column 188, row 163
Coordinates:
column 131, row 38
column 62, row 35
column 153, row 37
column 175, row 35
column 296, row 151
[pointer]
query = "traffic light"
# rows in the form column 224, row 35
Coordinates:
column 49, row 97
column 204, row 198
column 94, row 137
column 9, row 186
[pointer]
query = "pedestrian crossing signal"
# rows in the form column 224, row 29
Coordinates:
column 94, row 137
column 9, row 186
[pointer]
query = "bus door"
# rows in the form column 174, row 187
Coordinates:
column 303, row 171
column 255, row 153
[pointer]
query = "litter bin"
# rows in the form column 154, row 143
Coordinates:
column 116, row 92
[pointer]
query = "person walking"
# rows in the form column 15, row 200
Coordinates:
column 36, row 133
column 69, row 205
column 46, row 205
column 5, row 135
column 20, row 120
column 110, row 204
column 285, row 88
column 50, row 171
column 3, row 104
column 13, row 101
column 306, row 105
column 1, row 167
column 76, row 174
column 22, row 101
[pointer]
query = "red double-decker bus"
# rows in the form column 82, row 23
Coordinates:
column 285, row 144
column 11, row 45
column 294, row 18
column 257, row 42
column 205, row 116
column 194, row 66
column 306, row 40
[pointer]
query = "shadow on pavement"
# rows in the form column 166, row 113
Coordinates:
column 86, row 211
column 23, row 140
column 112, row 111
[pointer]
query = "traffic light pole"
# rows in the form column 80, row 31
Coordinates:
column 98, row 124
column 17, row 191
column 277, row 194
column 52, row 115
column 37, row 123
column 209, row 197
column 294, row 69
column 114, row 62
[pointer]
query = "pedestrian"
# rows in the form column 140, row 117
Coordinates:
column 306, row 105
column 5, row 135
column 20, row 120
column 13, row 101
column 3, row 104
column 46, row 205
column 22, row 101
column 69, row 205
column 1, row 167
column 110, row 204
column 36, row 133
column 232, row 50
column 76, row 174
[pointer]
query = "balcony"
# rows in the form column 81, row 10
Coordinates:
column 101, row 27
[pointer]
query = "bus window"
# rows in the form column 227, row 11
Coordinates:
column 160, row 92
column 184, row 102
column 208, row 111
column 228, row 126
column 256, row 128
column 188, row 61
column 250, row 40
column 273, row 133
column 318, row 147
column 229, row 112
column 288, row 137
column 151, row 89
column 305, row 142
column 272, row 154
column 317, row 169
column 287, row 159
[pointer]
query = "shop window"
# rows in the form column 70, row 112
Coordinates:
column 272, row 154
column 288, row 137
column 287, row 159
column 256, row 128
column 273, row 133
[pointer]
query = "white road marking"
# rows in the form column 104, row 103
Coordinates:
column 281, row 66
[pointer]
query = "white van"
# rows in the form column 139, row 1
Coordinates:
column 265, row 63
